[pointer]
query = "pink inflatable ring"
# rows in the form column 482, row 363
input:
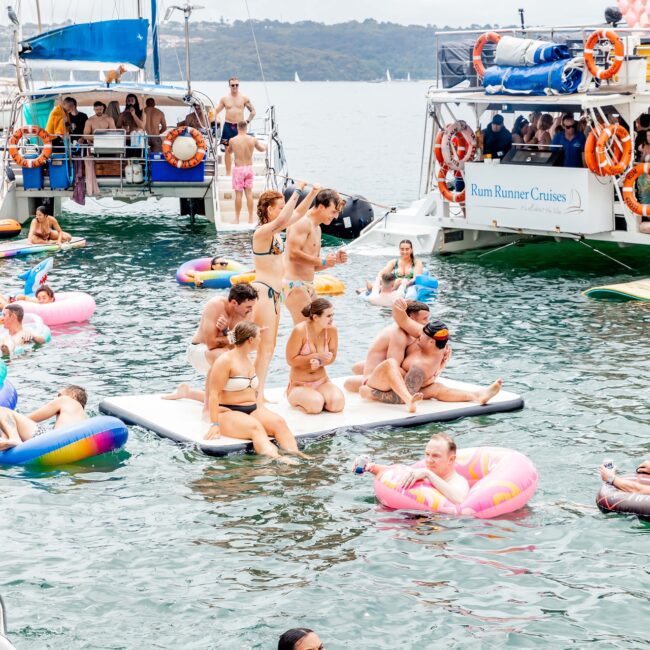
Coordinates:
column 68, row 307
column 501, row 481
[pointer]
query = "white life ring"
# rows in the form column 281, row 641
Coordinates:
column 453, row 155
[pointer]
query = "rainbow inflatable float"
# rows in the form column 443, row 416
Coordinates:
column 188, row 273
column 23, row 247
column 501, row 481
column 92, row 437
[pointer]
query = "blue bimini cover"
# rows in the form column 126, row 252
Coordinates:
column 558, row 77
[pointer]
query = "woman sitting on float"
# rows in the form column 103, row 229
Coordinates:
column 405, row 267
column 217, row 263
column 45, row 229
column 274, row 217
column 313, row 344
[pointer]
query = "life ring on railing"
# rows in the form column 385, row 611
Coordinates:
column 629, row 195
column 619, row 53
column 488, row 37
column 457, row 139
column 621, row 161
column 18, row 135
column 168, row 142
column 458, row 142
column 452, row 197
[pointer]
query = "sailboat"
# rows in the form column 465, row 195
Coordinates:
column 296, row 78
column 388, row 79
column 408, row 76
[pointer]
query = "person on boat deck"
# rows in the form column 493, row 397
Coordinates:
column 572, row 142
column 302, row 256
column 439, row 469
column 131, row 118
column 300, row 638
column 68, row 407
column 18, row 335
column 311, row 347
column 519, row 130
column 45, row 229
column 497, row 140
column 217, row 263
column 154, row 124
column 543, row 135
column 405, row 267
column 234, row 104
column 233, row 400
column 627, row 484
column 196, row 119
column 274, row 215
column 57, row 123
column 641, row 125
column 243, row 146
column 533, row 125
column 76, row 119
column 98, row 121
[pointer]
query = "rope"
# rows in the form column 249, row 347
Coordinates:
column 609, row 257
column 257, row 50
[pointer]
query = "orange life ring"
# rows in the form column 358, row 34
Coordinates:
column 458, row 141
column 452, row 197
column 487, row 37
column 458, row 145
column 169, row 141
column 619, row 53
column 629, row 196
column 616, row 164
column 14, row 148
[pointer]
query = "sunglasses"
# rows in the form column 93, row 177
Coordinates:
column 221, row 263
column 234, row 85
column 569, row 126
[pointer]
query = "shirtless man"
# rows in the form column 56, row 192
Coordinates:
column 439, row 470
column 68, row 408
column 13, row 315
column 384, row 295
column 234, row 105
column 98, row 120
column 243, row 146
column 302, row 256
column 627, row 484
column 154, row 124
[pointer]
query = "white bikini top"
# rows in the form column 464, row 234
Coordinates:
column 237, row 383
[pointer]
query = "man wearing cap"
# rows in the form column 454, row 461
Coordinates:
column 497, row 140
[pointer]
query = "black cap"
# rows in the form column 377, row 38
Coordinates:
column 498, row 119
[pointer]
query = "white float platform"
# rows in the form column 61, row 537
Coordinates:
column 180, row 420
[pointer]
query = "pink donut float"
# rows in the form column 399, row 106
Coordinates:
column 501, row 481
column 68, row 307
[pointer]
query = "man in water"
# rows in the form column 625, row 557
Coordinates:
column 243, row 146
column 220, row 315
column 627, row 484
column 154, row 124
column 302, row 257
column 68, row 407
column 439, row 469
column 386, row 295
column 234, row 104
column 17, row 334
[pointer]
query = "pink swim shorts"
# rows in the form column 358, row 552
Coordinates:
column 242, row 178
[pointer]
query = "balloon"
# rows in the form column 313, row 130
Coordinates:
column 635, row 12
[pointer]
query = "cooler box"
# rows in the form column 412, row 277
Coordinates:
column 32, row 176
column 161, row 170
column 58, row 169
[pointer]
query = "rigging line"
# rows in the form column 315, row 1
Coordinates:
column 257, row 50
column 495, row 250
column 609, row 257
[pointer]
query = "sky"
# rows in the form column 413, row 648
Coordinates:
column 420, row 12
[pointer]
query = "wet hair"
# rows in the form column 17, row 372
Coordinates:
column 136, row 105
column 77, row 393
column 266, row 201
column 451, row 443
column 17, row 310
column 98, row 103
column 242, row 125
column 387, row 278
column 289, row 639
column 326, row 198
column 243, row 331
column 150, row 101
column 432, row 328
column 410, row 243
column 316, row 308
column 42, row 209
column 242, row 292
column 47, row 289
column 71, row 100
column 414, row 306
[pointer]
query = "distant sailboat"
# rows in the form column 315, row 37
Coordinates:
column 408, row 76
column 388, row 79
column 296, row 78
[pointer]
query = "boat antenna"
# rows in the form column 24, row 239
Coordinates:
column 257, row 50
column 521, row 19
column 187, row 10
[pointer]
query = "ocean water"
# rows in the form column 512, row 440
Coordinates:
column 162, row 547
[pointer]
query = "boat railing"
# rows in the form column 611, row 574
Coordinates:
column 636, row 42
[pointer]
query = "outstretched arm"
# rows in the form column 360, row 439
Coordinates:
column 403, row 321
column 47, row 411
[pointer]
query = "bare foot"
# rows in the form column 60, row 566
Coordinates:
column 7, row 444
column 181, row 392
column 418, row 397
column 486, row 395
column 298, row 453
column 286, row 461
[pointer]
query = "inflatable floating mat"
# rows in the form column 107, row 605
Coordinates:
column 637, row 290
column 23, row 247
column 180, row 420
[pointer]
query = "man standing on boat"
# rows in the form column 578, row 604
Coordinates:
column 302, row 256
column 572, row 142
column 243, row 146
column 154, row 124
column 234, row 105
column 497, row 140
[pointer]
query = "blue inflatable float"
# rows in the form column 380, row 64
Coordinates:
column 8, row 394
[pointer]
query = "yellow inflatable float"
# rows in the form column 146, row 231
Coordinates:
column 325, row 284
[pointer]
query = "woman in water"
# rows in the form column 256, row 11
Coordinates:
column 217, row 263
column 274, row 217
column 313, row 344
column 405, row 267
column 234, row 411
column 45, row 229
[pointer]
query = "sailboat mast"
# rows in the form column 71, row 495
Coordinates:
column 154, row 41
column 141, row 77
